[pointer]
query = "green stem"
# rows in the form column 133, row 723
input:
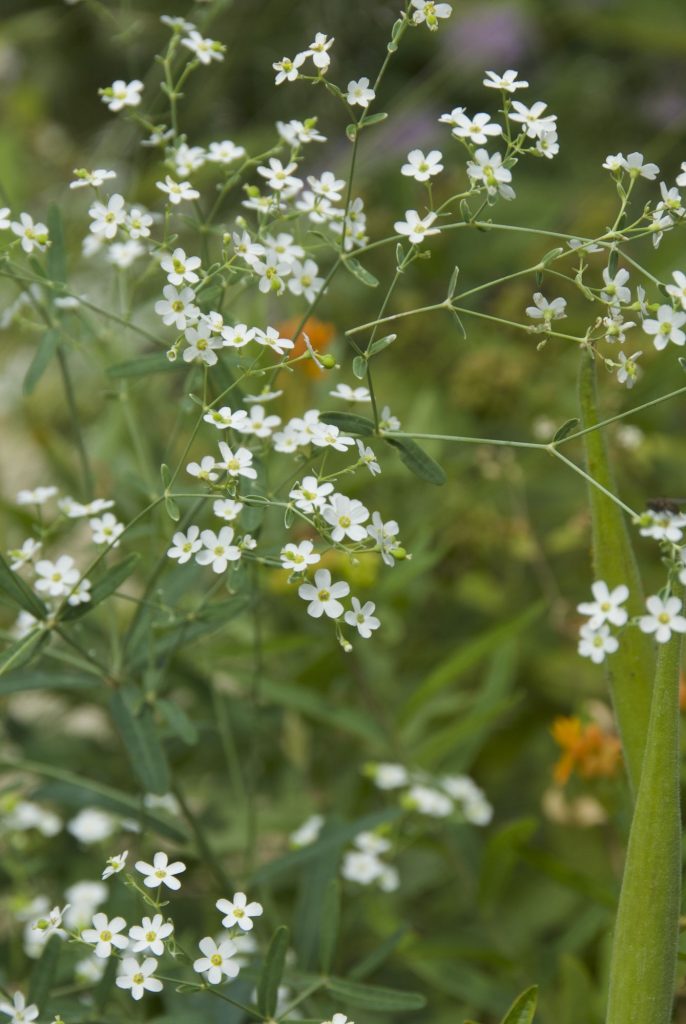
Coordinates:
column 88, row 486
column 644, row 951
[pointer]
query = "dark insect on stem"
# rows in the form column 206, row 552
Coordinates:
column 672, row 505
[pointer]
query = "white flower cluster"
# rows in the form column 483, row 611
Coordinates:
column 436, row 797
column 607, row 609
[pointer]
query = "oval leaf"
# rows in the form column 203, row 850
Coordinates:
column 567, row 428
column 360, row 367
column 358, row 271
column 417, row 461
column 350, row 422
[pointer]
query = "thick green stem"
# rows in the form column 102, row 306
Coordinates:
column 644, row 952
column 631, row 669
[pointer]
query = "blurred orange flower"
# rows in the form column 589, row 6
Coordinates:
column 587, row 749
column 320, row 333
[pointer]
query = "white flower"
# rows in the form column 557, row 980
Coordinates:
column 138, row 223
column 614, row 290
column 304, row 279
column 226, row 508
column 477, row 129
column 533, row 120
column 188, row 159
column 26, row 553
column 368, row 457
column 26, row 815
column 547, row 311
column 385, row 535
column 139, row 977
column 662, row 526
column 201, row 345
column 362, row 867
column 508, row 82
column 360, row 93
column 349, row 394
column 308, row 832
column 616, row 326
column 328, row 186
column 387, row 775
column 310, row 495
column 122, row 94
column 421, row 167
column 490, row 171
column 96, row 178
column 4, row 218
column 239, row 912
column 238, row 463
column 206, row 50
column 287, row 70
column 429, row 801
column 666, row 328
column 33, row 236
column 177, row 307
column 547, row 145
column 115, row 864
column 271, row 271
column 150, row 934
column 107, row 218
column 362, row 618
column 179, row 267
column 84, row 899
column 92, row 825
column 123, row 254
column 346, row 515
column 38, row 497
column 323, row 596
column 105, row 934
column 177, row 190
column 318, row 51
column 635, row 166
column 238, row 335
column 271, row 338
column 52, row 924
column 106, row 530
column 415, row 227
column 297, row 557
column 628, row 371
column 185, row 545
column 279, row 177
column 428, row 12
column 295, row 131
column 614, row 162
column 161, row 871
column 218, row 550
column 203, row 470
column 75, row 510
column 678, row 289
column 216, row 963
column 18, row 1011
column 596, row 643
column 607, row 606
column 326, row 435
column 56, row 578
column 225, row 418
column 664, row 618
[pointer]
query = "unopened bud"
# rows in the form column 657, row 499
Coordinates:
column 328, row 361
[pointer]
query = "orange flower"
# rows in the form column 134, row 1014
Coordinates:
column 321, row 335
column 587, row 749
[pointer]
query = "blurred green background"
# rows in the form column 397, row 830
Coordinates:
column 528, row 899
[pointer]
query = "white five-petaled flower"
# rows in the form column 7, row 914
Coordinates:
column 271, row 338
column 415, row 227
column 346, row 515
column 238, row 911
column 663, row 525
column 139, row 977
column 678, row 289
column 203, row 470
column 56, row 578
column 635, row 165
column 96, row 178
column 226, row 419
column 180, row 268
column 507, row 82
column 422, row 167
column 238, row 463
column 596, row 643
column 227, row 508
column 664, row 618
column 533, row 119
column 297, row 557
column 218, row 550
column 150, row 934
column 489, row 170
column 318, row 50
column 666, row 328
column 628, row 371
column 546, row 311
column 106, row 529
column 185, row 545
column 475, row 129
column 287, row 70
column 216, row 962
column 360, row 93
column 122, row 94
column 428, row 12
column 105, row 934
column 206, row 50
column 108, row 217
column 26, row 553
column 177, row 307
column 614, row 290
column 310, row 495
column 161, row 871
column 115, row 864
column 322, row 597
column 362, row 618
column 178, row 191
column 326, row 435
column 278, row 176
column 368, row 458
column 606, row 606
column 33, row 235
column 349, row 394
column 18, row 1011
column 201, row 344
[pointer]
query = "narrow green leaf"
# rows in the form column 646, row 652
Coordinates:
column 552, row 255
column 165, row 472
column 21, row 651
column 47, row 347
column 372, row 119
column 19, row 592
column 378, row 955
column 374, row 997
column 357, row 270
column 452, row 287
column 142, row 366
column 417, row 460
column 44, row 679
column 43, row 973
column 178, row 721
column 350, row 422
column 380, row 344
column 523, row 1009
column 105, row 586
column 567, row 428
column 319, row 707
column 272, row 972
column 360, row 367
column 56, row 258
column 172, row 509
column 458, row 321
column 139, row 736
column 328, row 930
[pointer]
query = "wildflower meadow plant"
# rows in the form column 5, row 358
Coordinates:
column 204, row 267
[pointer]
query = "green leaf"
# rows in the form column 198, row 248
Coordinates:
column 551, row 255
column 523, row 1009
column 372, row 119
column 351, row 131
column 378, row 955
column 139, row 736
column 19, row 592
column 357, row 270
column 272, row 972
column 56, row 258
column 350, row 422
column 461, row 327
column 501, row 857
column 43, row 973
column 682, row 362
column 43, row 679
column 178, row 721
column 47, row 347
column 156, row 362
column 452, row 286
column 172, row 509
column 417, row 460
column 21, row 651
column 380, row 344
column 567, row 428
column 314, row 705
column 107, row 585
column 328, row 931
column 360, row 367
column 374, row 997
